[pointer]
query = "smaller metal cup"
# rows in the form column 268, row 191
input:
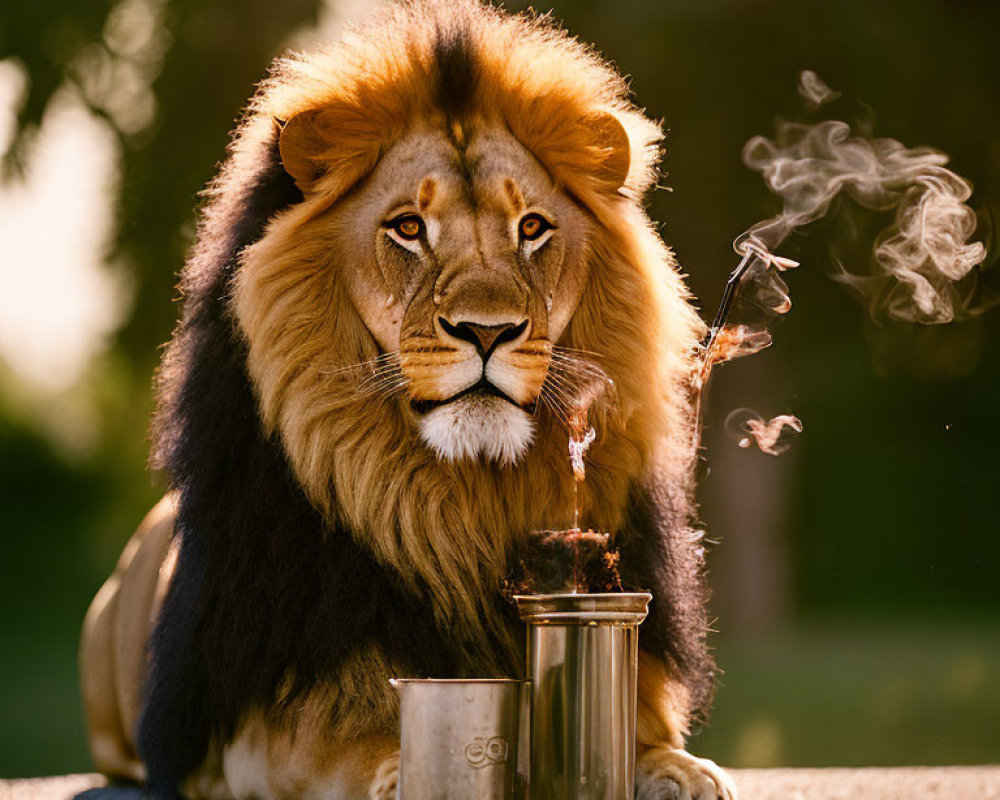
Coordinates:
column 458, row 739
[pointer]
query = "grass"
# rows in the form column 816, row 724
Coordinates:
column 842, row 694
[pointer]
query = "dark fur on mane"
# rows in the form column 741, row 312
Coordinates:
column 660, row 554
column 263, row 588
column 456, row 68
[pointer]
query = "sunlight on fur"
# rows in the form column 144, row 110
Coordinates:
column 324, row 288
column 426, row 239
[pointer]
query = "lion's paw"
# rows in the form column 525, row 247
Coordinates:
column 386, row 779
column 668, row 773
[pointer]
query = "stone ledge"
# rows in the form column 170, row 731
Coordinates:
column 870, row 783
column 895, row 783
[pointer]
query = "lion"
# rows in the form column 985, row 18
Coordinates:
column 423, row 240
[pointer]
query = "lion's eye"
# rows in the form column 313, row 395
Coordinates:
column 407, row 226
column 532, row 226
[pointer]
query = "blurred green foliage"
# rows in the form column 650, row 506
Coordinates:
column 891, row 518
column 831, row 693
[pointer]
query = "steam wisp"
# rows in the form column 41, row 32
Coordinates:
column 923, row 256
column 756, row 280
column 924, row 260
column 814, row 90
column 769, row 436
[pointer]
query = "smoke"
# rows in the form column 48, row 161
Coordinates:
column 814, row 91
column 772, row 436
column 922, row 260
column 757, row 292
column 923, row 263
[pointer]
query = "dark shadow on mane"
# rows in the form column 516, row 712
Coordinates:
column 660, row 554
column 262, row 588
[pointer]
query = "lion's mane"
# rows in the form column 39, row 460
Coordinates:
column 290, row 565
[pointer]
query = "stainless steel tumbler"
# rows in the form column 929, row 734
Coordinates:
column 459, row 739
column 582, row 660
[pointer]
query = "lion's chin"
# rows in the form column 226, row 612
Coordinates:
column 478, row 426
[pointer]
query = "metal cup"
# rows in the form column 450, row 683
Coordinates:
column 458, row 739
column 583, row 654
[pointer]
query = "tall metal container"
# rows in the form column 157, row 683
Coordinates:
column 582, row 660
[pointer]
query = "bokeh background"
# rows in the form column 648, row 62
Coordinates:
column 856, row 576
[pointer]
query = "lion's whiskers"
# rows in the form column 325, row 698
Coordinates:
column 573, row 380
column 578, row 374
column 382, row 386
column 573, row 377
column 559, row 349
column 555, row 405
column 370, row 365
column 381, row 376
column 582, row 366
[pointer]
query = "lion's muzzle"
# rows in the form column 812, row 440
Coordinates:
column 474, row 383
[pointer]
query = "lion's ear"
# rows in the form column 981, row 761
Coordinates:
column 333, row 147
column 301, row 143
column 610, row 140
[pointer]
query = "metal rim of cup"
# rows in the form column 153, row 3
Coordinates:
column 568, row 608
column 451, row 681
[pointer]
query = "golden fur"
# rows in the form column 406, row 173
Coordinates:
column 112, row 649
column 370, row 469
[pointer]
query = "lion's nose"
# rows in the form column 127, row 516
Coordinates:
column 486, row 338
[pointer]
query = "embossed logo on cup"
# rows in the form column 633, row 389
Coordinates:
column 483, row 751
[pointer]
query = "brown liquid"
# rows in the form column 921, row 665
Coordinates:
column 576, row 504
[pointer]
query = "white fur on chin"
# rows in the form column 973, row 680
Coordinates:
column 478, row 426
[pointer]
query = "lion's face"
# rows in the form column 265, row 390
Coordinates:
column 468, row 253
column 465, row 260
